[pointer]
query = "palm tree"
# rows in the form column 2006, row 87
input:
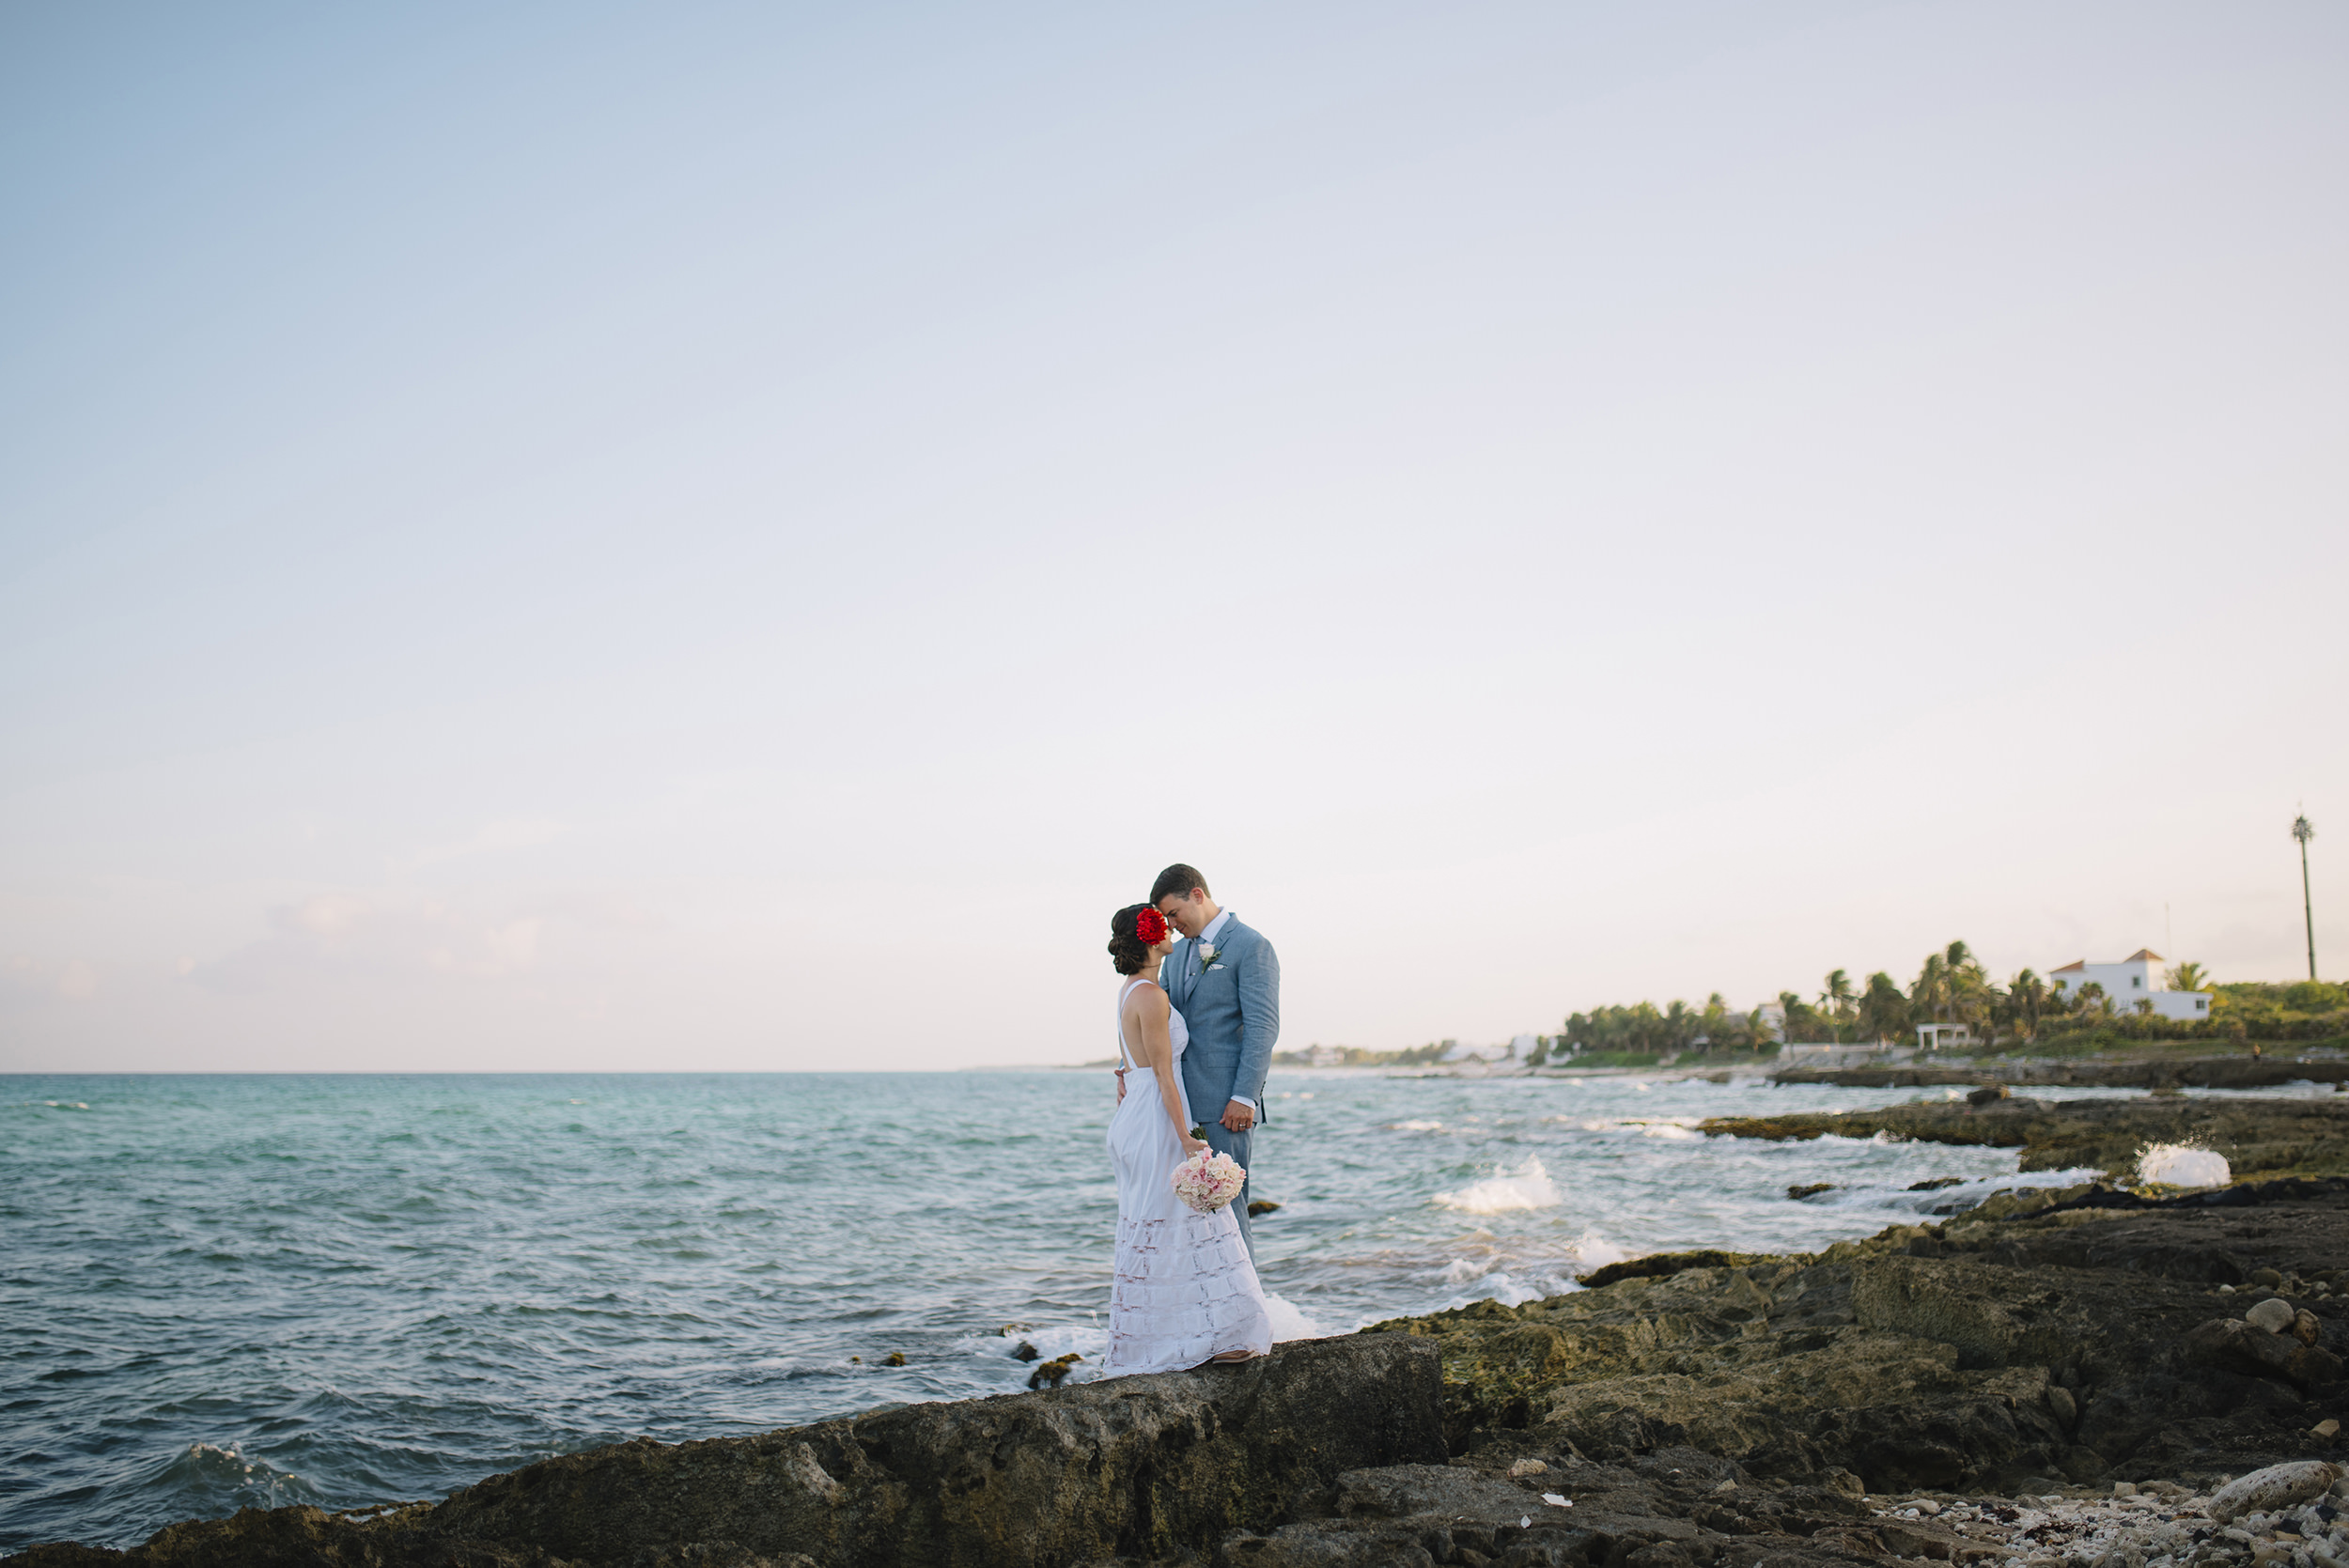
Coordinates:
column 1972, row 997
column 1789, row 1007
column 1883, row 1011
column 1838, row 997
column 2028, row 992
column 1929, row 993
column 2188, row 977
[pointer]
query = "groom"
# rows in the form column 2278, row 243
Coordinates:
column 1225, row 982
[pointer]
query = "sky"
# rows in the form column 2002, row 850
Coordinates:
column 604, row 536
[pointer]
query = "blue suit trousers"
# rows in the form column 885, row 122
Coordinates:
column 1235, row 1144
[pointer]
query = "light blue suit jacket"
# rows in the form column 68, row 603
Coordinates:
column 1233, row 1009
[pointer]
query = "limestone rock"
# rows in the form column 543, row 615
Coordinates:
column 2236, row 1346
column 1130, row 1466
column 2274, row 1314
column 2277, row 1486
column 2255, row 1136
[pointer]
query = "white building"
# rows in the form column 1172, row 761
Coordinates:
column 2133, row 980
column 1773, row 1019
column 1945, row 1036
column 1454, row 1051
column 1323, row 1056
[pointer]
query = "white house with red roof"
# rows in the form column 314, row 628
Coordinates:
column 2133, row 980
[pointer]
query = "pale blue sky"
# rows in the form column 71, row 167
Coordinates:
column 705, row 535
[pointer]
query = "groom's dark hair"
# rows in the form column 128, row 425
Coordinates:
column 1177, row 880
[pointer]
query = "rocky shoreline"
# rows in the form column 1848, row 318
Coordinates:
column 2138, row 1072
column 2258, row 1136
column 2045, row 1380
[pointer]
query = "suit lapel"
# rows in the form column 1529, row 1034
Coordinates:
column 1191, row 951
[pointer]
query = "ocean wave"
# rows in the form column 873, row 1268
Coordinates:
column 553, row 1288
column 2180, row 1165
column 1289, row 1321
column 1528, row 1187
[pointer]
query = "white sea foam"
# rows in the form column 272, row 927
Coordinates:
column 1528, row 1187
column 1680, row 1129
column 1415, row 1126
column 2176, row 1165
column 1289, row 1321
column 1595, row 1251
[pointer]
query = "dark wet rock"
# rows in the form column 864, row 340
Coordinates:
column 1705, row 1409
column 2203, row 1072
column 2245, row 1347
column 2150, row 1072
column 1260, row 1206
column 1880, row 1077
column 2257, row 1137
column 1134, row 1466
column 1025, row 1352
column 1810, row 1190
column 1989, row 1094
column 1054, row 1372
column 2062, row 1342
column 895, row 1358
column 1657, row 1265
column 1936, row 1184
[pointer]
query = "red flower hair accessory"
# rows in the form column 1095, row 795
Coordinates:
column 1150, row 926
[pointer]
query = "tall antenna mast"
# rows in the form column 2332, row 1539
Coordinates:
column 2301, row 830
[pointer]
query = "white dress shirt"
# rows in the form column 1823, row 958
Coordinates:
column 1207, row 938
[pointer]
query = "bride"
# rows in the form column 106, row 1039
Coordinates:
column 1182, row 1290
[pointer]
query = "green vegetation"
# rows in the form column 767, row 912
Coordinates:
column 1952, row 987
column 1650, row 1031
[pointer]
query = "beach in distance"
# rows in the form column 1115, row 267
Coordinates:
column 342, row 1290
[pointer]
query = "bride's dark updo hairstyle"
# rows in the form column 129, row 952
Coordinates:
column 1130, row 944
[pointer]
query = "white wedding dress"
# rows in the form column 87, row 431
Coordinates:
column 1182, row 1289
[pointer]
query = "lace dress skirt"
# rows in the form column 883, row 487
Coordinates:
column 1182, row 1289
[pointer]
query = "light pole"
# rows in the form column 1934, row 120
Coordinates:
column 2301, row 830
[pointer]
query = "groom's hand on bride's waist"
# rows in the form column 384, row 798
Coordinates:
column 1238, row 1117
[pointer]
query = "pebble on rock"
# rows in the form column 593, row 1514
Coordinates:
column 1524, row 1467
column 2277, row 1486
column 2275, row 1314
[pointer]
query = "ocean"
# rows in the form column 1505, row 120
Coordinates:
column 223, row 1292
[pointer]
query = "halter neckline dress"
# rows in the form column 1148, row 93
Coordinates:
column 1182, row 1289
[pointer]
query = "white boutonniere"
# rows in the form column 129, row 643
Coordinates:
column 1206, row 957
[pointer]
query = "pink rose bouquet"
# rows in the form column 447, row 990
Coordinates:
column 1208, row 1180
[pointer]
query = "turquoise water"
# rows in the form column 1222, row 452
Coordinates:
column 231, row 1291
